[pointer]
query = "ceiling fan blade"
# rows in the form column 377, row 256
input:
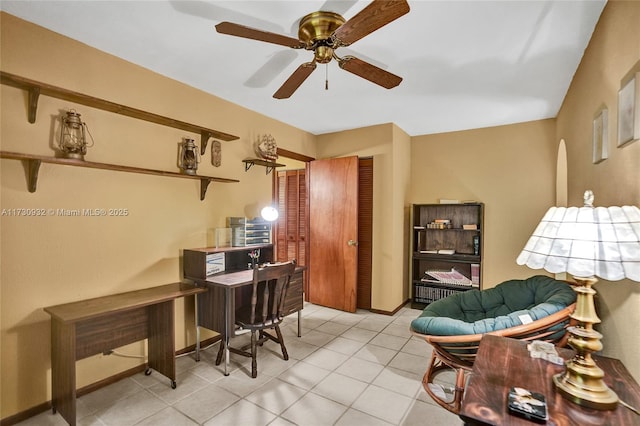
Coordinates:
column 295, row 80
column 254, row 34
column 369, row 72
column 376, row 15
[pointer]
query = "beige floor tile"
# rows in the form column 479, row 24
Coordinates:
column 297, row 348
column 383, row 404
column 49, row 419
column 400, row 381
column 357, row 418
column 167, row 417
column 344, row 346
column 348, row 318
column 334, row 328
column 276, row 395
column 240, row 384
column 360, row 369
column 390, row 342
column 376, row 354
column 359, row 334
column 317, row 338
column 303, row 375
column 312, row 410
column 242, row 413
column 324, row 313
column 418, row 347
column 109, row 395
column 340, row 388
column 372, row 324
column 397, row 330
column 419, row 411
column 206, row 403
column 408, row 362
column 130, row 410
column 187, row 383
column 324, row 358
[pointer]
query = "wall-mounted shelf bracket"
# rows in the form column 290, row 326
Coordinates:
column 32, row 176
column 34, row 95
column 204, row 184
column 204, row 140
column 269, row 165
column 33, row 167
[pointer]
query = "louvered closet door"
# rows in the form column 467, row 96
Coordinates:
column 365, row 232
column 291, row 228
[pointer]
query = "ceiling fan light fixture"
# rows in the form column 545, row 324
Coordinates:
column 318, row 26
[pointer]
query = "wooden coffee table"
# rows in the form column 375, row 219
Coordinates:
column 502, row 363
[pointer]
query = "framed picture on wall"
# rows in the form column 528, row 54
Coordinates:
column 600, row 136
column 629, row 111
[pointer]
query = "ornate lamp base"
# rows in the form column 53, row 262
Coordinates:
column 582, row 381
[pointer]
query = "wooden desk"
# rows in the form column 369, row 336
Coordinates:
column 93, row 326
column 216, row 308
column 502, row 362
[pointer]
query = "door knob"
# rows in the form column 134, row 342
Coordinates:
column 352, row 243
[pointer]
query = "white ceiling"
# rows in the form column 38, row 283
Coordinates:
column 465, row 64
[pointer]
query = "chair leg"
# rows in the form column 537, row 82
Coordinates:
column 254, row 363
column 285, row 355
column 220, row 352
column 435, row 366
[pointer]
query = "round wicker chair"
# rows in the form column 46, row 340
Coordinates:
column 453, row 326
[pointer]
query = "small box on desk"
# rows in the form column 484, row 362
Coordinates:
column 200, row 264
column 214, row 263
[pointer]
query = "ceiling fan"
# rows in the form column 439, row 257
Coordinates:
column 323, row 32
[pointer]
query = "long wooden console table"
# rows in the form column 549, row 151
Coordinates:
column 89, row 327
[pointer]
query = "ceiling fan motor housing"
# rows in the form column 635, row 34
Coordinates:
column 315, row 30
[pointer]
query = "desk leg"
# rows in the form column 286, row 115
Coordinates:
column 300, row 323
column 162, row 340
column 197, row 330
column 228, row 326
column 63, row 370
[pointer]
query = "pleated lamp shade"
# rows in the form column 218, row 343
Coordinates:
column 587, row 241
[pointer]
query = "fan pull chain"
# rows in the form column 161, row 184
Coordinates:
column 326, row 76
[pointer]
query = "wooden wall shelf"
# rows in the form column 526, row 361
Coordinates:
column 35, row 89
column 33, row 166
column 270, row 165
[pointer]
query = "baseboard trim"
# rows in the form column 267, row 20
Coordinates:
column 395, row 311
column 40, row 408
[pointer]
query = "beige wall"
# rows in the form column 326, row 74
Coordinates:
column 54, row 259
column 51, row 260
column 389, row 147
column 613, row 52
column 511, row 169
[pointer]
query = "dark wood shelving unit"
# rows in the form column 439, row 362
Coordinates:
column 36, row 88
column 33, row 166
column 467, row 259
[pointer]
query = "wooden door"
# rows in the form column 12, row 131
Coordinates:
column 333, row 232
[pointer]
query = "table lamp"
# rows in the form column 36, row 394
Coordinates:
column 587, row 242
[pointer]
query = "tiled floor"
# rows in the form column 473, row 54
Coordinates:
column 346, row 369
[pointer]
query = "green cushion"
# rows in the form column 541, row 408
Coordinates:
column 476, row 312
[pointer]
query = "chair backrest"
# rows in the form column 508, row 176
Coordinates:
column 270, row 285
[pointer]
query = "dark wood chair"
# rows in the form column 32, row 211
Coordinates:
column 269, row 292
